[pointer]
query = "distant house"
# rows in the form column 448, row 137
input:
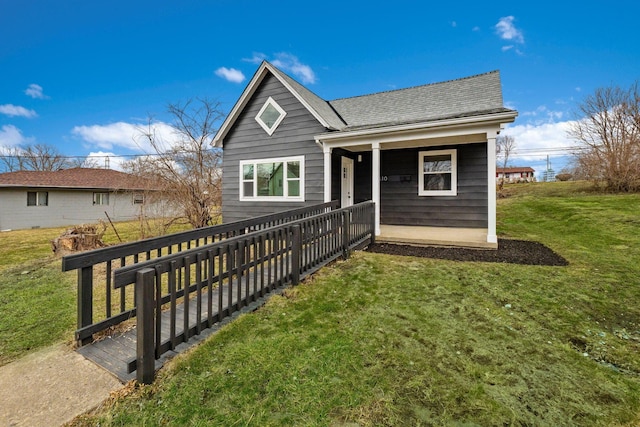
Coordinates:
column 34, row 199
column 425, row 155
column 516, row 174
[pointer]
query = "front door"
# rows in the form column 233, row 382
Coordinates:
column 347, row 182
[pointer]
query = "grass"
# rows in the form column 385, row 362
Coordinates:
column 388, row 340
column 37, row 300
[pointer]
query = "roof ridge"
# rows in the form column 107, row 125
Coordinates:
column 418, row 86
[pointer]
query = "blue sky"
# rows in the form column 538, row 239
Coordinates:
column 82, row 75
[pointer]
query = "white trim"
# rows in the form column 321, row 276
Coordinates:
column 327, row 173
column 270, row 102
column 492, row 236
column 436, row 128
column 346, row 182
column 285, row 183
column 99, row 198
column 261, row 72
column 454, row 173
column 375, row 182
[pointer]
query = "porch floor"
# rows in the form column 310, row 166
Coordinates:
column 435, row 236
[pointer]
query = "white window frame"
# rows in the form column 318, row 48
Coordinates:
column 422, row 173
column 284, row 198
column 263, row 125
column 138, row 199
column 40, row 195
column 99, row 198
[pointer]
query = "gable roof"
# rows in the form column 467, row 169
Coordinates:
column 515, row 169
column 78, row 178
column 318, row 107
column 470, row 96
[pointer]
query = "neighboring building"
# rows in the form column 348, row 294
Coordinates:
column 516, row 174
column 425, row 155
column 548, row 175
column 34, row 199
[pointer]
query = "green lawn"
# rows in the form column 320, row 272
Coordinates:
column 37, row 300
column 388, row 340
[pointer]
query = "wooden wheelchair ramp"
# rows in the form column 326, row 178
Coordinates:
column 181, row 298
column 115, row 353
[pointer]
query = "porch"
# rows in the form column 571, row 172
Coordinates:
column 435, row 236
column 397, row 168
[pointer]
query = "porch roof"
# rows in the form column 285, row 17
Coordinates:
column 465, row 97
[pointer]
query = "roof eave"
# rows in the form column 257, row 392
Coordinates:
column 246, row 96
column 489, row 119
column 73, row 187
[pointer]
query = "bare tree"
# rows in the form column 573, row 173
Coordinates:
column 43, row 157
column 83, row 162
column 505, row 146
column 10, row 159
column 608, row 127
column 187, row 168
column 37, row 157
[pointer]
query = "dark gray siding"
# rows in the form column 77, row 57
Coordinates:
column 401, row 205
column 246, row 140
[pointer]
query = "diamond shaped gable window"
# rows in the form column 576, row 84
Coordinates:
column 270, row 116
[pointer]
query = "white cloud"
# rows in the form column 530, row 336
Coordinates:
column 290, row 63
column 476, row 28
column 287, row 62
column 126, row 135
column 17, row 111
column 257, row 58
column 230, row 74
column 107, row 160
column 534, row 141
column 11, row 136
column 543, row 115
column 35, row 91
column 507, row 31
column 506, row 48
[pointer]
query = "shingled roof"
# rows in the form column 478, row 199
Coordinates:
column 515, row 169
column 469, row 96
column 465, row 97
column 78, row 178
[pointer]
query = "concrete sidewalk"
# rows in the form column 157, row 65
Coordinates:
column 51, row 387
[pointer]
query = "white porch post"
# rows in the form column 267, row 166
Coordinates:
column 375, row 181
column 327, row 172
column 492, row 236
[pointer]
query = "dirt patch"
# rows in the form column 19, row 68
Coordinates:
column 509, row 251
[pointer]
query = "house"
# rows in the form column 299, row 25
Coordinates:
column 34, row 199
column 425, row 155
column 516, row 174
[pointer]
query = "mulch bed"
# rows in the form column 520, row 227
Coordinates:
column 509, row 251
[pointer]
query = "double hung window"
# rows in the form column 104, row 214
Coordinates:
column 37, row 198
column 100, row 198
column 437, row 173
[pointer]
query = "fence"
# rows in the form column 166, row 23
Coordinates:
column 96, row 296
column 225, row 276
